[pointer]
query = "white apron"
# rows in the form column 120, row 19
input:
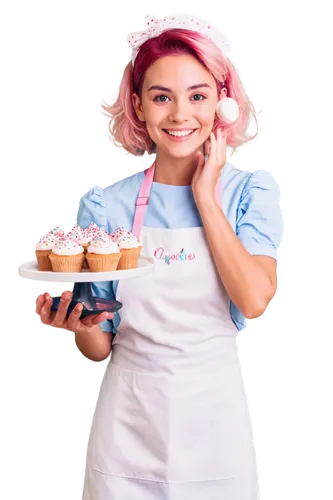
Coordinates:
column 172, row 420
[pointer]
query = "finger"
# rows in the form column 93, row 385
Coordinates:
column 207, row 148
column 93, row 319
column 40, row 301
column 101, row 317
column 74, row 318
column 200, row 163
column 46, row 309
column 222, row 152
column 219, row 143
column 220, row 146
column 213, row 146
column 60, row 316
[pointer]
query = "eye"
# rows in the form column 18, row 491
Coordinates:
column 157, row 98
column 200, row 95
column 203, row 97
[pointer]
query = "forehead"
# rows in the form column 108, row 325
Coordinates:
column 180, row 71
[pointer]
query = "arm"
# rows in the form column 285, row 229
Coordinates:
column 250, row 280
column 245, row 278
column 97, row 344
column 94, row 344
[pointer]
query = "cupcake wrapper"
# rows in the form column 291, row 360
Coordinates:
column 67, row 263
column 43, row 260
column 129, row 258
column 99, row 263
column 85, row 263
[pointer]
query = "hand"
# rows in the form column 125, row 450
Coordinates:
column 206, row 175
column 58, row 318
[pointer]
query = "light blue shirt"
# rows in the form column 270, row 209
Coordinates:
column 250, row 201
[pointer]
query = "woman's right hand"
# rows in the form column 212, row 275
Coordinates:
column 72, row 323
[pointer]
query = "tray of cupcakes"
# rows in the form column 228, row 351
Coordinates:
column 86, row 255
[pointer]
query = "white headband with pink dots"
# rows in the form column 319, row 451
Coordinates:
column 181, row 21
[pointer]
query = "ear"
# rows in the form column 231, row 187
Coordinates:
column 223, row 93
column 137, row 105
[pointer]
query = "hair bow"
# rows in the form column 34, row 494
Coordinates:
column 181, row 21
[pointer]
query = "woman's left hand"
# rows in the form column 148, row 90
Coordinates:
column 206, row 175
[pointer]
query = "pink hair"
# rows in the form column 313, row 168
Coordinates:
column 132, row 133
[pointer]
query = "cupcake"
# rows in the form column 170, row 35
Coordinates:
column 118, row 232
column 42, row 250
column 85, row 236
column 82, row 236
column 103, row 254
column 130, row 248
column 95, row 231
column 67, row 256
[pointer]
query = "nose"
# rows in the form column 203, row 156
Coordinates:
column 180, row 112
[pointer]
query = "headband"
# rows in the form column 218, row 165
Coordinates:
column 180, row 21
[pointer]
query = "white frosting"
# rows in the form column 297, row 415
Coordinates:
column 128, row 241
column 67, row 246
column 96, row 231
column 76, row 229
column 57, row 231
column 103, row 245
column 118, row 232
column 47, row 242
column 125, row 239
column 93, row 227
column 73, row 227
column 82, row 236
column 85, row 239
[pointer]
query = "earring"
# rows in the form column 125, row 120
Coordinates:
column 227, row 110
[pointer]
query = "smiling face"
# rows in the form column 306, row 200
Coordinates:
column 177, row 106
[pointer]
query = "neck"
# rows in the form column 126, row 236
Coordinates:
column 174, row 171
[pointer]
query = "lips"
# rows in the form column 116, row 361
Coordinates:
column 185, row 130
column 179, row 138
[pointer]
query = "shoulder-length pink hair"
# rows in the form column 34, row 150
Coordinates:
column 131, row 133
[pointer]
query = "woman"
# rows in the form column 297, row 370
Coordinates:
column 172, row 419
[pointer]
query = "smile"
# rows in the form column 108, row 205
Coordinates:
column 183, row 136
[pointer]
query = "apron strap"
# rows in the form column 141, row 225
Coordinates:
column 143, row 199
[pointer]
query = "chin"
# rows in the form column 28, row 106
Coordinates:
column 180, row 150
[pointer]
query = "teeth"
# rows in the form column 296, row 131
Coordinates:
column 179, row 134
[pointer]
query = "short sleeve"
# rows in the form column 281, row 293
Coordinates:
column 259, row 219
column 92, row 208
column 104, row 290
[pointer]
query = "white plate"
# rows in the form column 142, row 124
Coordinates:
column 30, row 270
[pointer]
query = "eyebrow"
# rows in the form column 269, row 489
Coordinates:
column 159, row 87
